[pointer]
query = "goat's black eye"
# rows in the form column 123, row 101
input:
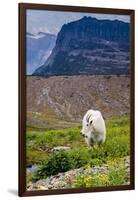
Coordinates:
column 86, row 124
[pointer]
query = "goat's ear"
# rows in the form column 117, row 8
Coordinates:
column 91, row 122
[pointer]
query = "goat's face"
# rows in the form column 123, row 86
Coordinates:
column 87, row 128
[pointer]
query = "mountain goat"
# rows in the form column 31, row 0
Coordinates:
column 93, row 128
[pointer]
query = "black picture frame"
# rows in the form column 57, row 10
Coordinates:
column 22, row 97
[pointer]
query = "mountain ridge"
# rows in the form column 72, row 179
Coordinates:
column 89, row 46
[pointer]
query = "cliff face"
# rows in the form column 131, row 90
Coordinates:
column 89, row 46
column 88, row 28
column 39, row 47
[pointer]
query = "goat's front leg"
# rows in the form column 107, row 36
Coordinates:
column 89, row 142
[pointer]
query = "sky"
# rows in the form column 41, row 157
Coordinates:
column 52, row 21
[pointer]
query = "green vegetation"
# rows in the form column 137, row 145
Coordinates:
column 39, row 145
column 116, row 175
column 116, row 147
column 56, row 162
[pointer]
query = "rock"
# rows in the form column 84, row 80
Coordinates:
column 61, row 148
column 61, row 107
column 31, row 168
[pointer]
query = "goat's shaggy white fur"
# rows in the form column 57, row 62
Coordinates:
column 93, row 128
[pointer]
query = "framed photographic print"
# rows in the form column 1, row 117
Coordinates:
column 76, row 99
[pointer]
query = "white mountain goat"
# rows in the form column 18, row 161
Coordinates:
column 93, row 128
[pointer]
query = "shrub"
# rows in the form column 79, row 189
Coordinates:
column 98, row 153
column 79, row 157
column 56, row 162
column 95, row 162
column 61, row 162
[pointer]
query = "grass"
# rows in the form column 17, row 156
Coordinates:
column 43, row 142
column 117, row 146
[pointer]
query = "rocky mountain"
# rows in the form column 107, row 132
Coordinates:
column 39, row 47
column 62, row 101
column 89, row 46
